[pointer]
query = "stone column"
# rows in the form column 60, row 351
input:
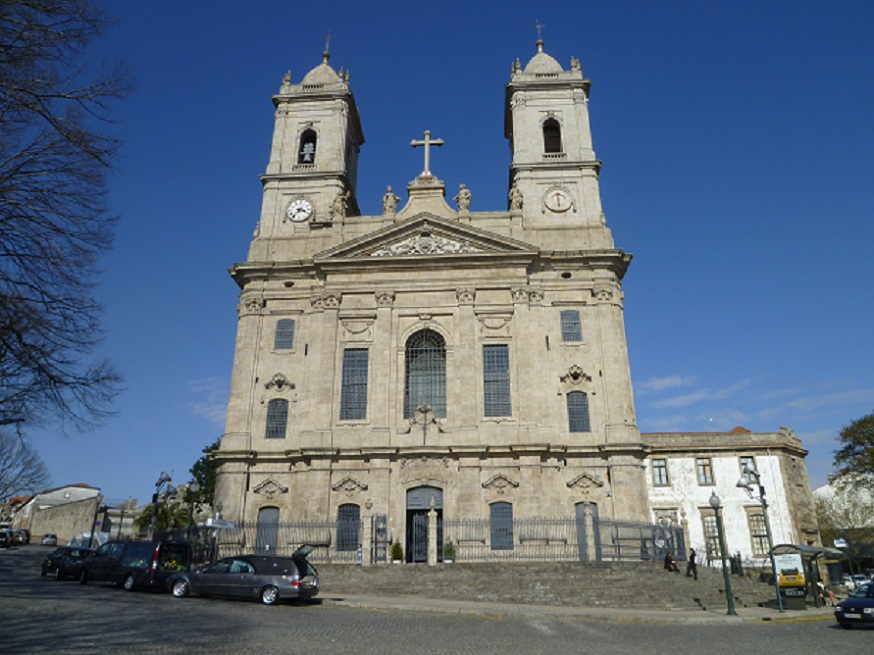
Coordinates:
column 432, row 535
column 367, row 540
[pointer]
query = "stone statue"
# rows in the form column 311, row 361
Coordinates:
column 463, row 198
column 389, row 202
column 515, row 198
column 340, row 204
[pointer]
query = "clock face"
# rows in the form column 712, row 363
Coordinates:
column 299, row 210
column 558, row 200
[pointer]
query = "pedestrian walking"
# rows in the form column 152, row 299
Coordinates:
column 691, row 566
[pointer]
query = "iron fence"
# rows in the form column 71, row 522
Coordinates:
column 471, row 540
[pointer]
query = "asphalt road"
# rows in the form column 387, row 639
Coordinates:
column 41, row 615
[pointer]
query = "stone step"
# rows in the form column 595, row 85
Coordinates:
column 605, row 584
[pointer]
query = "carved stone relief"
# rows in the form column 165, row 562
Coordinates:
column 360, row 329
column 385, row 298
column 279, row 382
column 349, row 486
column 251, row 305
column 500, row 484
column 575, row 376
column 329, row 300
column 586, row 483
column 465, row 296
column 425, row 243
column 270, row 489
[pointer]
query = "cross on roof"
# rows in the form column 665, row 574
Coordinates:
column 539, row 27
column 328, row 37
column 427, row 142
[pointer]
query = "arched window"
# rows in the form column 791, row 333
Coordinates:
column 267, row 536
column 277, row 418
column 284, row 338
column 578, row 412
column 551, row 136
column 307, row 152
column 348, row 527
column 501, row 526
column 425, row 382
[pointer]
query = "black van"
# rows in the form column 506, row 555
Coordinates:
column 132, row 564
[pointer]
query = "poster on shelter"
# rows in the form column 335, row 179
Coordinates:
column 790, row 570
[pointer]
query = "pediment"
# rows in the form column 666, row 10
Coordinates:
column 425, row 235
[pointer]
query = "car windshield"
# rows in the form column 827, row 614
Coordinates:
column 860, row 592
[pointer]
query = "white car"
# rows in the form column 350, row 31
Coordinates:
column 851, row 582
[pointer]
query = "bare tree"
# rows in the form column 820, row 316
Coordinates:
column 22, row 470
column 56, row 147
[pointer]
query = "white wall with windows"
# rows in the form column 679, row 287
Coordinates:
column 680, row 485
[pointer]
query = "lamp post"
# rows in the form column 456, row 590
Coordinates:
column 716, row 505
column 749, row 474
column 163, row 481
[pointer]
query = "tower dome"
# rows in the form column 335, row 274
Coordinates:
column 542, row 63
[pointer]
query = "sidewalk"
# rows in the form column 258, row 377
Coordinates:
column 500, row 610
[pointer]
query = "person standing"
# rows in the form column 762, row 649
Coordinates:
column 691, row 566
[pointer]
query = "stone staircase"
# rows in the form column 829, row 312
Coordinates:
column 637, row 585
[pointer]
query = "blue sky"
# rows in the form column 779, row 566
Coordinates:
column 738, row 147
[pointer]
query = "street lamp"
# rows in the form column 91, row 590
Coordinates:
column 715, row 504
column 163, row 482
column 749, row 475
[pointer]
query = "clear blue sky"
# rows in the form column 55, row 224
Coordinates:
column 738, row 147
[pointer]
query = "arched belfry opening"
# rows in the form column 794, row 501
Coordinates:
column 551, row 136
column 306, row 154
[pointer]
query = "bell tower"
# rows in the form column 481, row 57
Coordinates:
column 554, row 172
column 311, row 176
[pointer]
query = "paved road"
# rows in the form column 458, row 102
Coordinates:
column 40, row 615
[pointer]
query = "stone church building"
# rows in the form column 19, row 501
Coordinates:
column 432, row 358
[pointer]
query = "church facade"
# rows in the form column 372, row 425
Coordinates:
column 432, row 358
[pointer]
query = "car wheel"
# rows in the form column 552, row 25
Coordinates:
column 83, row 577
column 129, row 582
column 180, row 589
column 58, row 574
column 270, row 595
column 45, row 571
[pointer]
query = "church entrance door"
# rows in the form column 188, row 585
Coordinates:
column 418, row 506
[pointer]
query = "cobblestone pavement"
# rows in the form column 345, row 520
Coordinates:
column 43, row 615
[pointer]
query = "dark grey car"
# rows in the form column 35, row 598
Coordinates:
column 264, row 577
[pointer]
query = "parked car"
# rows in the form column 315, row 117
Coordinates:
column 133, row 564
column 267, row 578
column 857, row 608
column 65, row 561
column 21, row 536
column 5, row 538
column 853, row 581
column 49, row 539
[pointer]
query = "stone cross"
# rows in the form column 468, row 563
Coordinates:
column 427, row 142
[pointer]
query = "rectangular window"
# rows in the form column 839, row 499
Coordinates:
column 758, row 535
column 353, row 392
column 277, row 418
column 747, row 461
column 501, row 526
column 284, row 339
column 578, row 412
column 660, row 472
column 711, row 536
column 496, row 380
column 705, row 472
column 571, row 328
